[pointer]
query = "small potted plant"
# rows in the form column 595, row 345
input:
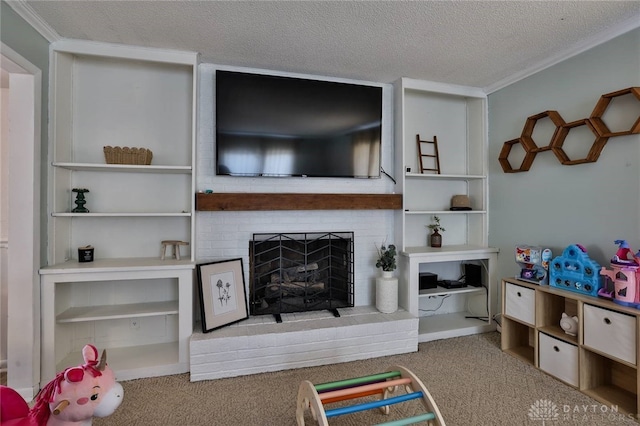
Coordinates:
column 386, row 258
column 435, row 237
column 387, row 284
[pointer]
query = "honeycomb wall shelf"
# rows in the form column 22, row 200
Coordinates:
column 563, row 132
column 527, row 161
column 595, row 123
column 604, row 103
column 530, row 124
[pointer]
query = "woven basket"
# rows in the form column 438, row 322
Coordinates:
column 126, row 155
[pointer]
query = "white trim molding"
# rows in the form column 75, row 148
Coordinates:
column 23, row 327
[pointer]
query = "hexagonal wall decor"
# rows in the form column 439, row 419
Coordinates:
column 604, row 103
column 529, row 156
column 530, row 124
column 594, row 152
column 595, row 123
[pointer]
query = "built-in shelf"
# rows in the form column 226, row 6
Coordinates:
column 107, row 312
column 449, row 252
column 125, row 265
column 121, row 214
column 226, row 201
column 456, row 319
column 454, row 324
column 127, row 301
column 75, row 294
column 444, row 177
column 443, row 212
column 119, row 168
column 440, row 291
column 132, row 362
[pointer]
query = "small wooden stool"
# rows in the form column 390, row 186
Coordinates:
column 175, row 245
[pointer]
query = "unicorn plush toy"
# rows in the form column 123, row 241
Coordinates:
column 72, row 398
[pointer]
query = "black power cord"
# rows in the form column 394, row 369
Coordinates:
column 388, row 175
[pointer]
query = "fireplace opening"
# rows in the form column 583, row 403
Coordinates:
column 300, row 272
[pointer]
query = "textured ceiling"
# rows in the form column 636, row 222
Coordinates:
column 475, row 43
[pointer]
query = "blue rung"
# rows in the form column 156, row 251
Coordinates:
column 410, row 420
column 374, row 404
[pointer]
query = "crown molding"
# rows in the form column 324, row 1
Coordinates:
column 126, row 51
column 28, row 14
column 582, row 46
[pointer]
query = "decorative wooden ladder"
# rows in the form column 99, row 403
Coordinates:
column 435, row 155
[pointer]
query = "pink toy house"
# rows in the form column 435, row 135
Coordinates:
column 625, row 276
column 625, row 280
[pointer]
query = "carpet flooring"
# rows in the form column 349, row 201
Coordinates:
column 471, row 380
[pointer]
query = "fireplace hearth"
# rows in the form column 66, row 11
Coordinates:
column 300, row 272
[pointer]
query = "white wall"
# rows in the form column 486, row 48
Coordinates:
column 555, row 205
column 226, row 235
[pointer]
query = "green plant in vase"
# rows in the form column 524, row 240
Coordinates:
column 386, row 257
column 387, row 284
column 436, row 238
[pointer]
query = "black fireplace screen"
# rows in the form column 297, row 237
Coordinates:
column 299, row 272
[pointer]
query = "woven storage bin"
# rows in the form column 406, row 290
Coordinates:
column 126, row 155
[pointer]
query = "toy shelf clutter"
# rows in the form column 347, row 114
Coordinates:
column 582, row 328
column 534, row 263
column 624, row 276
column 573, row 270
column 315, row 397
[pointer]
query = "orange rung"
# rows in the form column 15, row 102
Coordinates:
column 349, row 392
column 352, row 396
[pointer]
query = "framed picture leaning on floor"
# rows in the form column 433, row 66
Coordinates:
column 222, row 293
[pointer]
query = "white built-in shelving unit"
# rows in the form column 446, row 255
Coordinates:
column 127, row 300
column 458, row 117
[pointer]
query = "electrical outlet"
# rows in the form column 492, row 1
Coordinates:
column 134, row 323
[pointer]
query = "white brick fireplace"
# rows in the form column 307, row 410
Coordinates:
column 224, row 235
column 259, row 345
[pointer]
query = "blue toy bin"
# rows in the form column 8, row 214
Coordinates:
column 575, row 271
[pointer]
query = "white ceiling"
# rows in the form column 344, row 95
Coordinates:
column 484, row 44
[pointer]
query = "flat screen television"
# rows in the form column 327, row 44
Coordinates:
column 270, row 125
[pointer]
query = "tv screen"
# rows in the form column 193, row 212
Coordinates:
column 282, row 126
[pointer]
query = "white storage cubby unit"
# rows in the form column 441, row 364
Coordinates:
column 600, row 360
column 457, row 116
column 127, row 300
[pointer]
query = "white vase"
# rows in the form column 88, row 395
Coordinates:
column 387, row 293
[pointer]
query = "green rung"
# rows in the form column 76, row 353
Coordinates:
column 323, row 387
column 410, row 420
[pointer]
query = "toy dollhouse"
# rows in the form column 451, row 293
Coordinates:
column 624, row 275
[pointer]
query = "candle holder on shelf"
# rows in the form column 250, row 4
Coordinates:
column 80, row 201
